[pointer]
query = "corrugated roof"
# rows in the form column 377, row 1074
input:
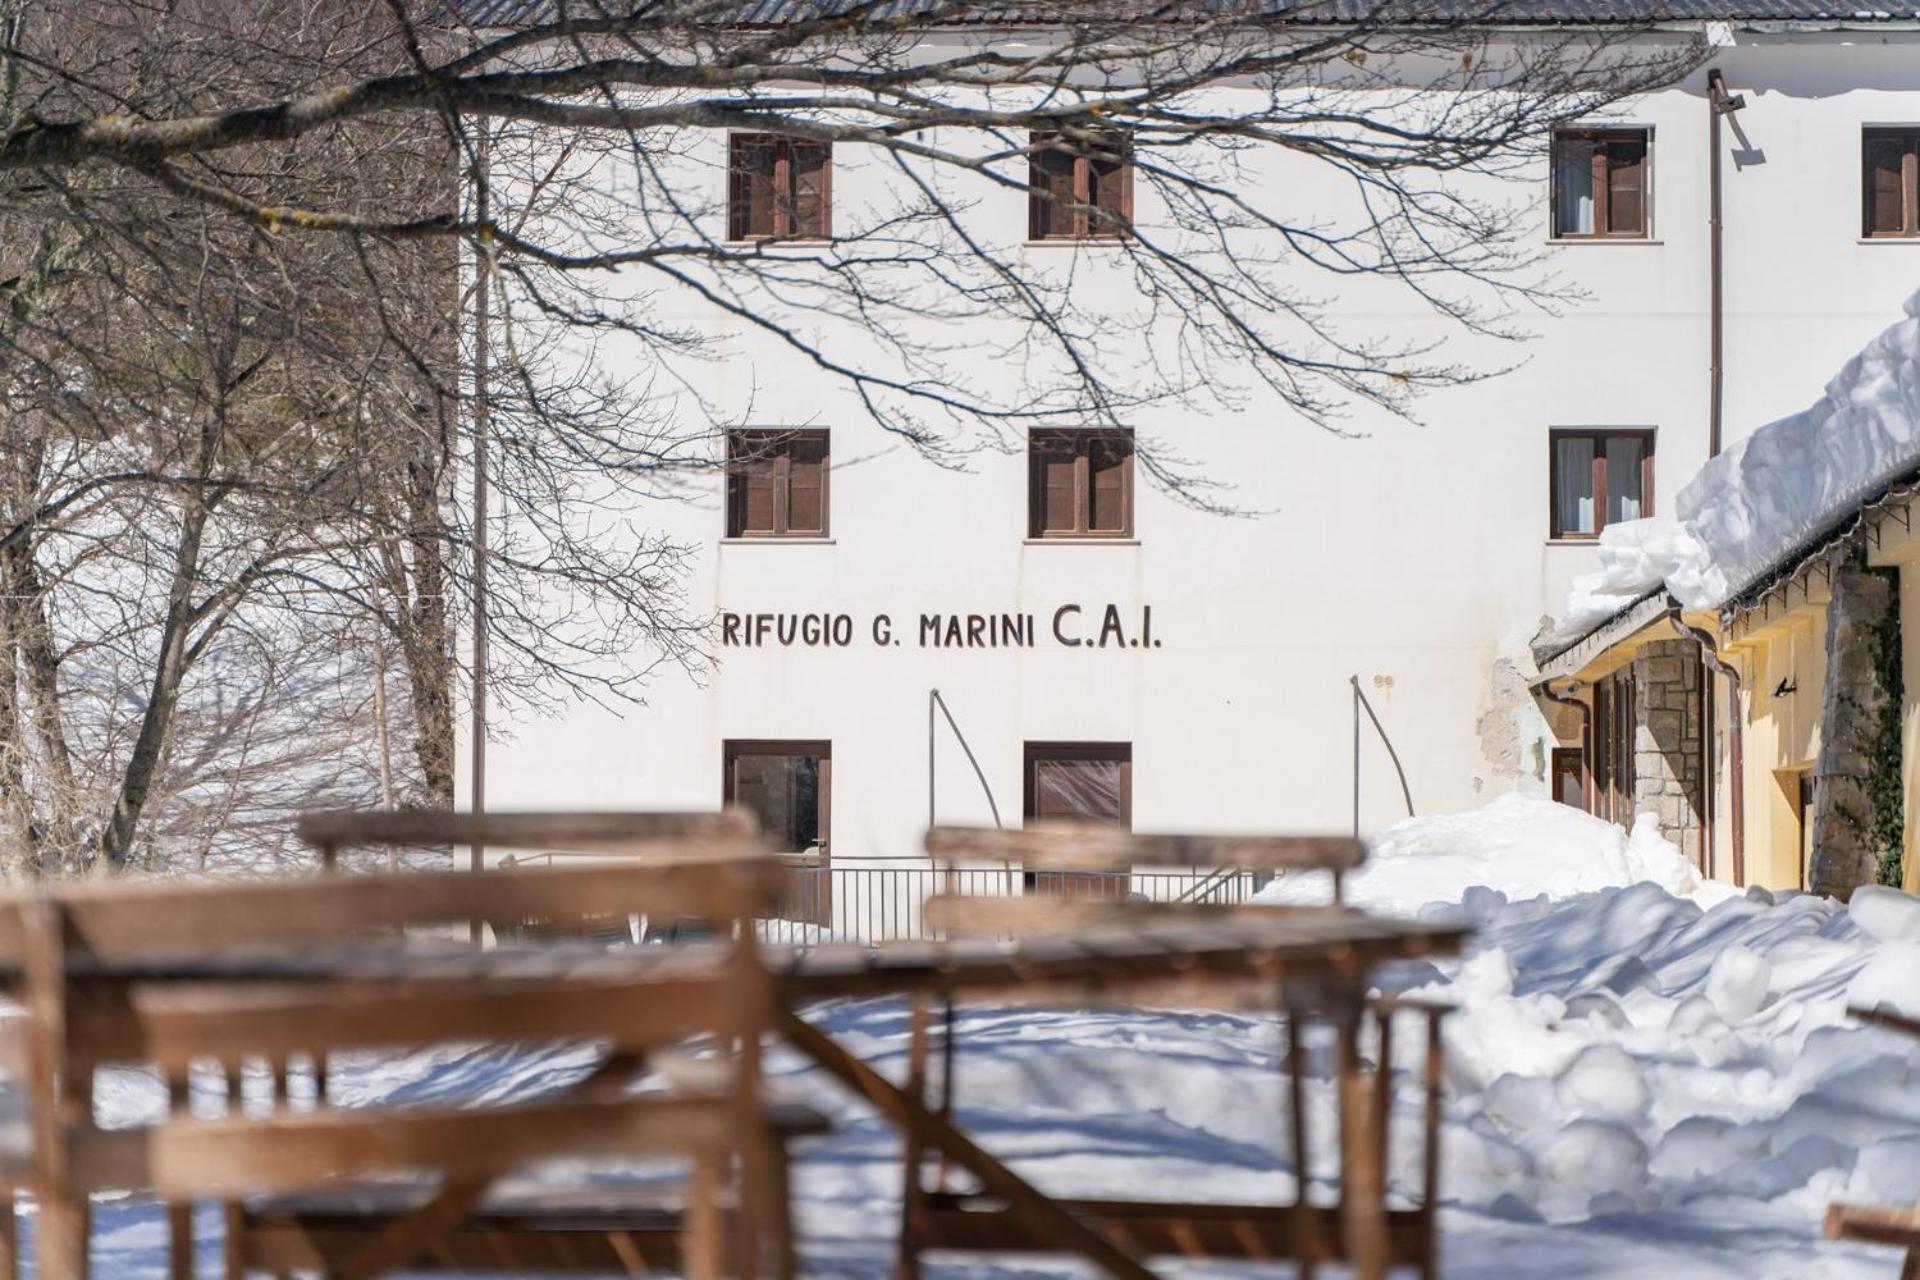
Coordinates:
column 1305, row 12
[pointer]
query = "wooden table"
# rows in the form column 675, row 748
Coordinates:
column 1319, row 962
column 1311, row 962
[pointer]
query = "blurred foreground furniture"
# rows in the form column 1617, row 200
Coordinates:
column 173, row 974
column 1060, row 947
column 1871, row 1223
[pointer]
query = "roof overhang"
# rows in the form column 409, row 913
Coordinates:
column 1585, row 656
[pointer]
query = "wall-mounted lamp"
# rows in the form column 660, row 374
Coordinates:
column 1785, row 687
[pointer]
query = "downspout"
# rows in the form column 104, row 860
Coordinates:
column 1586, row 735
column 1736, row 755
column 1719, row 103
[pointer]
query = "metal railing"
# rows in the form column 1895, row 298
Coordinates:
column 878, row 899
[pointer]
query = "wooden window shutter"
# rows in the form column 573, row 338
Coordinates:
column 812, row 199
column 1888, row 159
column 1050, row 202
column 750, row 187
column 1109, row 461
column 1110, row 188
column 760, row 479
column 1626, row 162
column 807, row 485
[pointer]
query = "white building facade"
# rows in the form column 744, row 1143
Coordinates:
column 1102, row 644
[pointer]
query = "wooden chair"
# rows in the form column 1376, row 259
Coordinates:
column 1358, row 1230
column 172, row 974
column 1872, row 1223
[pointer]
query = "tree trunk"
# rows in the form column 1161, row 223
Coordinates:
column 170, row 669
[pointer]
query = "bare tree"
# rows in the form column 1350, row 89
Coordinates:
column 244, row 242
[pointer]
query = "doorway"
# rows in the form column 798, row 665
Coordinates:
column 788, row 786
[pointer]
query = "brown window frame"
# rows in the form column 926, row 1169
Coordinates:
column 778, row 441
column 1602, row 187
column 1037, row 753
column 1085, row 219
column 786, row 193
column 1599, row 435
column 1574, row 760
column 1909, row 137
column 1083, row 440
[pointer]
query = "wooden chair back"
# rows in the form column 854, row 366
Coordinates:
column 1077, row 876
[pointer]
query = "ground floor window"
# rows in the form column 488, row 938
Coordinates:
column 1570, row 776
column 1079, row 782
column 788, row 786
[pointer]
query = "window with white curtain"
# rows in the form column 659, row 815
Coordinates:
column 1599, row 477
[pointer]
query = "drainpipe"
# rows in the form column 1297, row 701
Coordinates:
column 1736, row 755
column 1719, row 103
column 1586, row 736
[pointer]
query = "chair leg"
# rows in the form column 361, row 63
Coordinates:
column 906, row 1258
column 60, row 1236
column 179, row 1242
column 704, row 1236
column 9, row 1238
column 234, row 1248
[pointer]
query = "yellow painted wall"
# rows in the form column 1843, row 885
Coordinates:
column 1782, row 734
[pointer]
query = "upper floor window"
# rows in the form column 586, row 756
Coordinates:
column 1599, row 478
column 1890, row 160
column 1081, row 188
column 777, row 484
column 1600, row 183
column 1080, row 484
column 779, row 188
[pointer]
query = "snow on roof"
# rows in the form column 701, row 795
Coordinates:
column 1767, row 497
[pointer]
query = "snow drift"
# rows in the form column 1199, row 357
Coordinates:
column 1769, row 494
column 1521, row 846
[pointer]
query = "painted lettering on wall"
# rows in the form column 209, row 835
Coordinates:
column 1071, row 626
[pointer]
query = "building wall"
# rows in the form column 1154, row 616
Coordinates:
column 1412, row 556
column 1669, row 765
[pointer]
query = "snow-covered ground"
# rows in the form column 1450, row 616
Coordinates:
column 1648, row 1078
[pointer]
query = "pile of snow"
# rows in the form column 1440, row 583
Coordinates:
column 1774, row 491
column 1520, row 846
column 1638, row 1083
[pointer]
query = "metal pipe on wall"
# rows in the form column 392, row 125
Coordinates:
column 1719, row 103
column 1736, row 753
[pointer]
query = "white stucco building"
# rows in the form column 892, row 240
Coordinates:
column 1192, row 667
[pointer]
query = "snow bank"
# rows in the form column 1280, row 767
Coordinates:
column 1768, row 494
column 1515, row 847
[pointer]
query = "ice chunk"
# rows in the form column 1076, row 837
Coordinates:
column 1520, row 1103
column 1737, row 983
column 1885, row 914
column 1702, row 1145
column 1889, row 980
column 1591, row 1158
column 1603, row 1081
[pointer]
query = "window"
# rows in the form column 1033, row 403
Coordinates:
column 777, row 484
column 1599, row 477
column 1080, row 484
column 1570, row 777
column 1600, row 183
column 779, row 188
column 1081, row 189
column 1890, row 162
column 1080, row 782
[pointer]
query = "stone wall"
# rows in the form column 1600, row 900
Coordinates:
column 1668, row 764
column 1856, row 813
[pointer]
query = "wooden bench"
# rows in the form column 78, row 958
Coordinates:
column 174, row 974
column 1358, row 1230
